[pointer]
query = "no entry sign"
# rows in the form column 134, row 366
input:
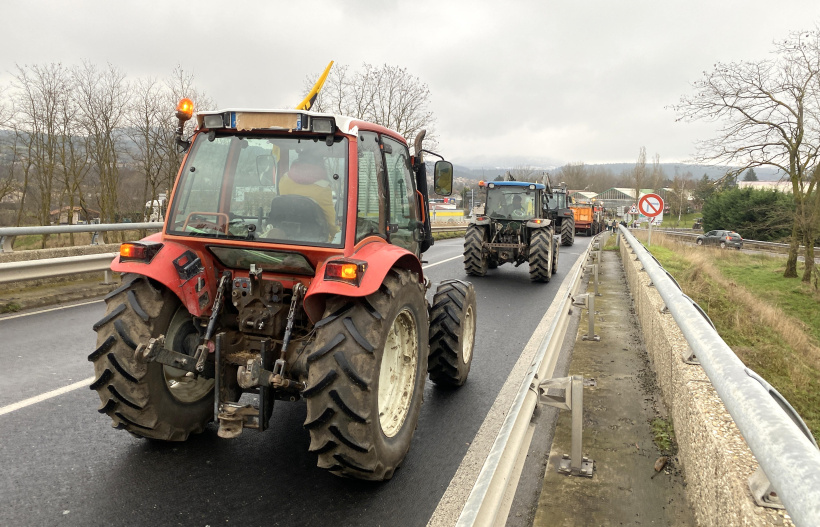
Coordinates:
column 650, row 205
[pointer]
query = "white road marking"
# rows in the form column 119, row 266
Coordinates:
column 86, row 382
column 441, row 262
column 47, row 310
column 48, row 395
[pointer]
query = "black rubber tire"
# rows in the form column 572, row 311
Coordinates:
column 555, row 251
column 475, row 259
column 135, row 394
column 722, row 245
column 452, row 333
column 699, row 242
column 540, row 256
column 344, row 365
column 567, row 232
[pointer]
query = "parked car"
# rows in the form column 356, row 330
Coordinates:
column 723, row 239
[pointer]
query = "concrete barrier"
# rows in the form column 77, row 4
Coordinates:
column 717, row 462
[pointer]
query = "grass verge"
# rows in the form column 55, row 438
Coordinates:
column 770, row 322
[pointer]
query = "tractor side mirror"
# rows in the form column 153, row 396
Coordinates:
column 443, row 178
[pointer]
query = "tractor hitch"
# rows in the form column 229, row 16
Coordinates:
column 155, row 351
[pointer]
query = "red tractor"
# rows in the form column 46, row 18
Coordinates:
column 288, row 268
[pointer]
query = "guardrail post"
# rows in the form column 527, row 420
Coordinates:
column 95, row 238
column 6, row 243
column 588, row 300
column 575, row 464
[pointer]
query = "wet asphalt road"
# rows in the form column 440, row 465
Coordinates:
column 62, row 464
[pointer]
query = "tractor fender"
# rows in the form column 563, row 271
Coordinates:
column 485, row 220
column 379, row 258
column 540, row 225
column 164, row 269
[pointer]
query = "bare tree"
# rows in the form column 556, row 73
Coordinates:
column 179, row 85
column 769, row 115
column 40, row 97
column 657, row 178
column 681, row 186
column 639, row 176
column 149, row 130
column 525, row 173
column 102, row 97
column 575, row 176
column 387, row 95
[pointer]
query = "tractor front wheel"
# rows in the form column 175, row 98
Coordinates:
column 541, row 255
column 148, row 399
column 452, row 333
column 567, row 232
column 366, row 373
column 475, row 259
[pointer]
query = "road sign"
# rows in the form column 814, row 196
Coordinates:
column 633, row 209
column 650, row 205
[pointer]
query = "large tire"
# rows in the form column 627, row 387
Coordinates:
column 555, row 247
column 475, row 259
column 366, row 374
column 567, row 232
column 540, row 255
column 148, row 399
column 452, row 333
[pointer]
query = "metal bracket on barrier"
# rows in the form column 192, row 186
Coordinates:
column 689, row 356
column 588, row 300
column 573, row 400
column 762, row 491
column 95, row 238
column 6, row 243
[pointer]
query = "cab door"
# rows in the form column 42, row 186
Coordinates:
column 403, row 225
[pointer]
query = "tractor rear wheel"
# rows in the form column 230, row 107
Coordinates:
column 567, row 232
column 475, row 259
column 555, row 247
column 541, row 255
column 452, row 333
column 148, row 399
column 366, row 374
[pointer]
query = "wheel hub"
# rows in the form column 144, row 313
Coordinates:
column 397, row 375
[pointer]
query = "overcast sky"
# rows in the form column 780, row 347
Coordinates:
column 520, row 81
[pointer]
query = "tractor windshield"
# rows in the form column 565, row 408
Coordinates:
column 510, row 202
column 557, row 200
column 263, row 188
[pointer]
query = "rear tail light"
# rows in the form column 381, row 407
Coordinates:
column 348, row 271
column 139, row 251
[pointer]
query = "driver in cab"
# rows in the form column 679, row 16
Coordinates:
column 517, row 208
column 308, row 177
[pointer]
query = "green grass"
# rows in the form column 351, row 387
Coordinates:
column 663, row 434
column 444, row 235
column 761, row 347
column 763, row 276
column 9, row 308
column 686, row 220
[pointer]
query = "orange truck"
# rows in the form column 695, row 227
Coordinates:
column 588, row 217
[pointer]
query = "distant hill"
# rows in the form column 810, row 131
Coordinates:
column 468, row 170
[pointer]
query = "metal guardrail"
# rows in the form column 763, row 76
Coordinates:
column 51, row 267
column 483, row 506
column 789, row 459
column 8, row 234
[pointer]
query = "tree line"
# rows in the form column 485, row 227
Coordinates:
column 87, row 138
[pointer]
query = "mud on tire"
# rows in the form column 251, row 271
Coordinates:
column 540, row 255
column 567, row 232
column 145, row 398
column 475, row 260
column 366, row 374
column 452, row 333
